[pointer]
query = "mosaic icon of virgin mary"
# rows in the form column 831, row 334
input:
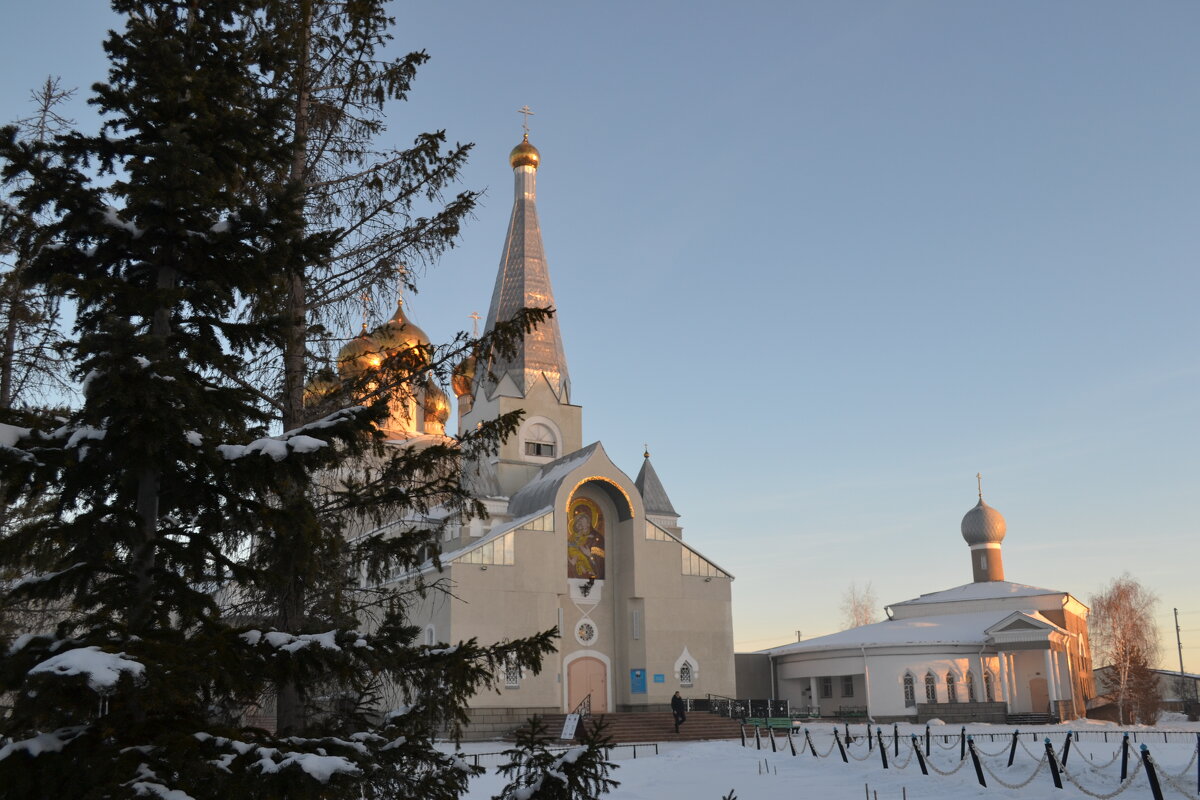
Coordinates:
column 585, row 540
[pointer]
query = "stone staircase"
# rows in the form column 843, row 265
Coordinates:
column 1029, row 719
column 655, row 726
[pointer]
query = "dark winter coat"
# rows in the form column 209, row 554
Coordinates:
column 677, row 704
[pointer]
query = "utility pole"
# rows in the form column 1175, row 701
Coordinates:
column 1185, row 686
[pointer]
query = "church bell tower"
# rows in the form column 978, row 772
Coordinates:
column 534, row 377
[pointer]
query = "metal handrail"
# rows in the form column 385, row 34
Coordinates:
column 584, row 709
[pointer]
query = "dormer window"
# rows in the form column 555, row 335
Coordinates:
column 540, row 441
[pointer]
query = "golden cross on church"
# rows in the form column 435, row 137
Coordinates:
column 528, row 113
column 474, row 317
column 979, row 480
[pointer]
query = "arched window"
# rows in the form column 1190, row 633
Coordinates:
column 540, row 441
column 910, row 690
column 951, row 688
column 930, row 688
column 970, row 686
column 989, row 692
column 430, row 635
column 685, row 674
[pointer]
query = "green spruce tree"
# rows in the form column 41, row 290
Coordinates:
column 172, row 232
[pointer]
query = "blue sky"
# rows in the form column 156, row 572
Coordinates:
column 832, row 259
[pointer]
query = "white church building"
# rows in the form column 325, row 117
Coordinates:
column 570, row 541
column 990, row 650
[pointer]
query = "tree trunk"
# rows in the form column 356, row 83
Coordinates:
column 290, row 715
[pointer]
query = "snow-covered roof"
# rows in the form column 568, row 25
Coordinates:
column 981, row 590
column 937, row 629
column 540, row 491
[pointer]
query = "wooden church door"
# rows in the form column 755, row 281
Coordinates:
column 584, row 676
column 1039, row 695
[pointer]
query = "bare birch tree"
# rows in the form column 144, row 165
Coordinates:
column 1124, row 638
column 859, row 606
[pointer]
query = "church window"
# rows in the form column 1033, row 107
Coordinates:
column 497, row 551
column 989, row 692
column 983, row 560
column 685, row 674
column 827, row 687
column 694, row 564
column 656, row 534
column 970, row 686
column 847, row 686
column 586, row 633
column 951, row 688
column 430, row 636
column 637, row 624
column 930, row 688
column 512, row 672
column 540, row 441
column 910, row 690
column 543, row 523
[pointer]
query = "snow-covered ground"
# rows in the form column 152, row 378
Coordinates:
column 709, row 770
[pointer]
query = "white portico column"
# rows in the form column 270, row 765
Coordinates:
column 1012, row 679
column 1005, row 688
column 1051, row 680
column 812, row 690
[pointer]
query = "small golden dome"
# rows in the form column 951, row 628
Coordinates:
column 357, row 355
column 524, row 155
column 436, row 406
column 322, row 386
column 464, row 376
column 399, row 333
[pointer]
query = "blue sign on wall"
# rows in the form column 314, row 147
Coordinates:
column 660, row 678
column 637, row 681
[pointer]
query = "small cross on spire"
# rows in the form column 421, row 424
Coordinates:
column 474, row 317
column 645, row 450
column 979, row 481
column 525, row 125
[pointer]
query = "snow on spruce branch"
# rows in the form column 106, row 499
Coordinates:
column 103, row 669
column 293, row 441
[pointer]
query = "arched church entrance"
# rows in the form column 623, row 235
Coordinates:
column 1039, row 695
column 586, row 676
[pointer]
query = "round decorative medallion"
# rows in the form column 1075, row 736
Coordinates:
column 585, row 632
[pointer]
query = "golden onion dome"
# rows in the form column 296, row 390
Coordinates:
column 322, row 386
column 464, row 376
column 436, row 405
column 359, row 354
column 524, row 155
column 400, row 333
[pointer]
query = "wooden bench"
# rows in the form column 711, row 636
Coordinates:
column 775, row 723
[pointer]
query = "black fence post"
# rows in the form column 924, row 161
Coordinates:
column 742, row 730
column 771, row 736
column 1151, row 775
column 975, row 759
column 848, row 739
column 1125, row 756
column 842, row 749
column 882, row 747
column 1066, row 749
column 1053, row 764
column 927, row 740
column 962, row 743
column 791, row 743
column 1012, row 751
column 895, row 740
column 920, row 758
column 757, row 739
column 811, row 748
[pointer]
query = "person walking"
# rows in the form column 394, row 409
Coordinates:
column 677, row 708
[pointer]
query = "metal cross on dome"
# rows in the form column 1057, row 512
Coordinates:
column 474, row 317
column 528, row 113
column 979, row 480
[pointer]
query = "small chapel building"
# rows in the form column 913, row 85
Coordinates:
column 570, row 540
column 987, row 651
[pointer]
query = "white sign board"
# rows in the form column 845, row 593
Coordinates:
column 569, row 725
